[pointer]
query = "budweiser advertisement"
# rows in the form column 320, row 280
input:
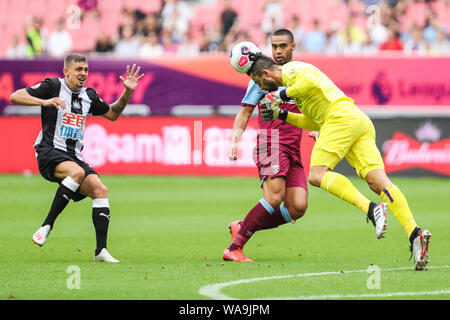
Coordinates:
column 426, row 150
column 199, row 146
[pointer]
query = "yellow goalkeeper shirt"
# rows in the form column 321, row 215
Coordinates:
column 313, row 92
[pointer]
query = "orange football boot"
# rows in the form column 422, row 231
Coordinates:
column 235, row 255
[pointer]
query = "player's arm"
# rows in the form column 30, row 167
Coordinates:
column 301, row 121
column 300, row 85
column 272, row 111
column 38, row 95
column 240, row 123
column 298, row 120
column 130, row 83
column 251, row 99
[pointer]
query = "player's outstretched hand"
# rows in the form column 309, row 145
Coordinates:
column 132, row 77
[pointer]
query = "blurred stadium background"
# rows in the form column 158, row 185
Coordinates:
column 391, row 56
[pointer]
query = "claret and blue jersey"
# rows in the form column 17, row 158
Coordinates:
column 289, row 136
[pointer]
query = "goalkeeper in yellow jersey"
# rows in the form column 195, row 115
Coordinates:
column 345, row 131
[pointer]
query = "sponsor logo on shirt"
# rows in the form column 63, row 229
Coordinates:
column 72, row 126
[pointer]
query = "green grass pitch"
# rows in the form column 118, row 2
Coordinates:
column 170, row 232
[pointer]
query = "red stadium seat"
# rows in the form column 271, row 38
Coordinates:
column 37, row 8
column 4, row 5
column 109, row 23
column 250, row 12
column 443, row 12
column 151, row 6
column 110, row 6
column 415, row 12
column 205, row 14
column 258, row 37
column 84, row 39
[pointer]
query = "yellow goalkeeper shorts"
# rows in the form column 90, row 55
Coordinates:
column 347, row 132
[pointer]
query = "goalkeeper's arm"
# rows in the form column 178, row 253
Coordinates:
column 296, row 119
column 301, row 121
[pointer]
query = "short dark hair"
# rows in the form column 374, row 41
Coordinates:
column 284, row 32
column 261, row 63
column 74, row 57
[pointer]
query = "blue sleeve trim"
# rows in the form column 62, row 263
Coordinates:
column 253, row 95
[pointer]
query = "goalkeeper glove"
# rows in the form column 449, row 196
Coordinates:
column 271, row 102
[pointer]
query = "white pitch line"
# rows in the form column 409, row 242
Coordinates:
column 363, row 295
column 213, row 291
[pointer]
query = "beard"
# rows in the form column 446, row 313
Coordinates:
column 270, row 85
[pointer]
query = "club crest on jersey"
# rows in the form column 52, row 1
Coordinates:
column 276, row 168
column 76, row 104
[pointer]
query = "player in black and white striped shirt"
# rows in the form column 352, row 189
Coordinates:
column 65, row 103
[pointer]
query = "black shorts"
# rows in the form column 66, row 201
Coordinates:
column 49, row 158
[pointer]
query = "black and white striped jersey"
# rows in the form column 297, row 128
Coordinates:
column 64, row 129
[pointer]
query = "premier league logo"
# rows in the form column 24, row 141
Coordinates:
column 381, row 89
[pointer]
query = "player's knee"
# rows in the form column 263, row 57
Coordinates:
column 314, row 179
column 316, row 175
column 77, row 174
column 100, row 191
column 374, row 187
column 297, row 209
column 275, row 198
column 377, row 180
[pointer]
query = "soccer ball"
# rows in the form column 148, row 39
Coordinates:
column 242, row 56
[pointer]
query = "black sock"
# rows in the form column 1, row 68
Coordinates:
column 414, row 234
column 100, row 218
column 62, row 198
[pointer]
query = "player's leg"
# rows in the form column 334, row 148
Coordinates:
column 296, row 200
column 266, row 214
column 275, row 178
column 393, row 196
column 398, row 205
column 338, row 185
column 337, row 139
column 365, row 157
column 71, row 175
column 95, row 189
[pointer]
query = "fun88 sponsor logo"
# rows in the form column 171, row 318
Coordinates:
column 72, row 126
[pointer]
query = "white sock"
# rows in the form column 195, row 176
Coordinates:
column 70, row 184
